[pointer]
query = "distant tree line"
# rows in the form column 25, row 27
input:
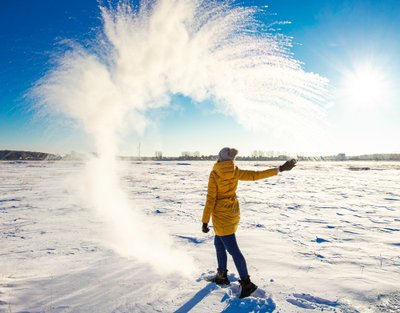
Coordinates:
column 256, row 155
column 11, row 155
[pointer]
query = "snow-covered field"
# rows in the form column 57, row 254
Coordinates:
column 325, row 236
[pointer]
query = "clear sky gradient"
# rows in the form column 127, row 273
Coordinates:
column 355, row 44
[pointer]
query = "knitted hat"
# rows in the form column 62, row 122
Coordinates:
column 227, row 154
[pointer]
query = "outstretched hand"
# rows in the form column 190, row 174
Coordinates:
column 205, row 228
column 288, row 165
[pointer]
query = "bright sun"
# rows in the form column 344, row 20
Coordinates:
column 364, row 86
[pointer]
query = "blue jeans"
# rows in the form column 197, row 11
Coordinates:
column 228, row 243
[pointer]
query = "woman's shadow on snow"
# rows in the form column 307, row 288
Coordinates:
column 259, row 302
column 200, row 295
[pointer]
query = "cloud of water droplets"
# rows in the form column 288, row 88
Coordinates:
column 144, row 55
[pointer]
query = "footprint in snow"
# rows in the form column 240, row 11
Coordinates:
column 307, row 301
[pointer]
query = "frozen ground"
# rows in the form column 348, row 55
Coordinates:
column 325, row 236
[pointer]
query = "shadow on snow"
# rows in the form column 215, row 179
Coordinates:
column 197, row 298
column 258, row 304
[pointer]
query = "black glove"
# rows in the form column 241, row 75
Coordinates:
column 288, row 165
column 205, row 228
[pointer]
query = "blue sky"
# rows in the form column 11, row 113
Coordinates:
column 343, row 41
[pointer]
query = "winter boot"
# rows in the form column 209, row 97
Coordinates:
column 247, row 287
column 221, row 278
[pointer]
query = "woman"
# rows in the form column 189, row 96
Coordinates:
column 222, row 204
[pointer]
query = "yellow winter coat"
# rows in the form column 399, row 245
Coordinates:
column 222, row 203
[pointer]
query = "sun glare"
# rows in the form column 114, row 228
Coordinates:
column 364, row 86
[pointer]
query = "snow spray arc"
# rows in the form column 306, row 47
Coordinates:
column 201, row 49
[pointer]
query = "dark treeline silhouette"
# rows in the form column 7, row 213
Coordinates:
column 14, row 155
column 11, row 155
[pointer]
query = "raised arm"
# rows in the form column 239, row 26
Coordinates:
column 256, row 175
column 211, row 198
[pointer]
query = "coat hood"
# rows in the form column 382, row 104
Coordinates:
column 225, row 169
